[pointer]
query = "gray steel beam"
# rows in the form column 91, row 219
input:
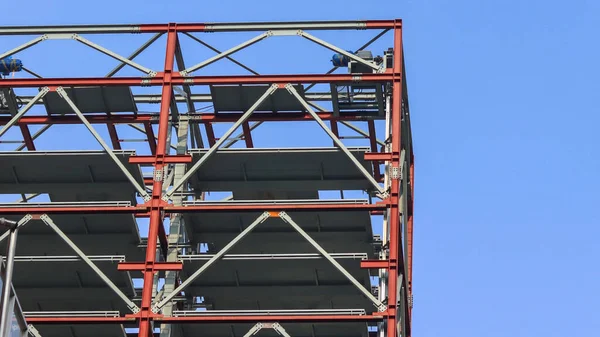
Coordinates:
column 157, row 306
column 380, row 306
column 195, row 135
column 176, row 228
column 221, row 140
column 48, row 221
column 208, row 27
column 338, row 142
column 130, row 177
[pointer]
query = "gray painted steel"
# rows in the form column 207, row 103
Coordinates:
column 92, row 100
column 239, row 98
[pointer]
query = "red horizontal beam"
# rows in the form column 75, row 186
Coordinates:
column 204, row 118
column 273, row 318
column 73, row 210
column 274, row 207
column 378, row 156
column 173, row 159
column 134, row 266
column 193, row 80
column 80, row 320
column 374, row 264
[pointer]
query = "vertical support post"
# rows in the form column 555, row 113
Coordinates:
column 10, row 261
column 176, row 225
column 7, row 285
column 156, row 204
column 395, row 253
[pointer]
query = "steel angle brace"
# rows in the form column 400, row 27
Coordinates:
column 259, row 326
column 157, row 306
column 337, row 141
column 368, row 43
column 24, row 110
column 226, row 53
column 378, row 68
column 61, row 91
column 218, row 144
column 380, row 306
column 25, row 220
column 48, row 221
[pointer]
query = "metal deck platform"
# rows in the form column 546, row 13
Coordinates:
column 103, row 247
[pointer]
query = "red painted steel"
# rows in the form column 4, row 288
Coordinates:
column 156, row 209
column 273, row 318
column 379, row 156
column 171, row 159
column 135, row 266
column 156, row 203
column 204, row 118
column 208, row 207
column 176, row 79
column 375, row 264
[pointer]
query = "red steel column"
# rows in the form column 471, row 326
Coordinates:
column 394, row 219
column 156, row 204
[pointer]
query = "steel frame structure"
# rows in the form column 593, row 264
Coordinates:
column 162, row 193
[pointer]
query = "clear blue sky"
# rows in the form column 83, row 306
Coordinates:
column 505, row 116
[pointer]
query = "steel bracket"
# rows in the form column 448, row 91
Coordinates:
column 33, row 331
column 158, row 175
column 396, row 172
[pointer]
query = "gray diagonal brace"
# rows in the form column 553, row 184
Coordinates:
column 218, row 144
column 24, row 110
column 135, row 54
column 24, row 46
column 339, row 50
column 380, row 306
column 48, row 221
column 19, row 225
column 114, row 55
column 102, row 143
column 335, row 139
column 156, row 307
column 226, row 53
column 375, row 38
column 219, row 52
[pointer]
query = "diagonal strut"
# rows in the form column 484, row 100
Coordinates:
column 48, row 221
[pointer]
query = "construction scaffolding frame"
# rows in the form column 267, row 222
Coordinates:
column 175, row 273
